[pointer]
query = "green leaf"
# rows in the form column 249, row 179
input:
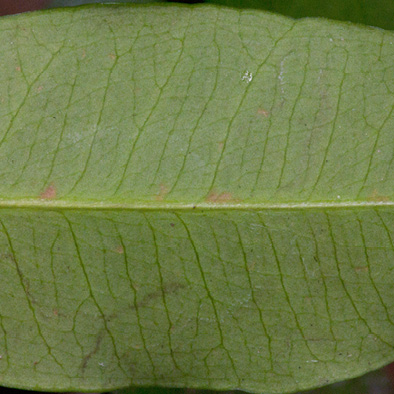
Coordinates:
column 370, row 12
column 194, row 197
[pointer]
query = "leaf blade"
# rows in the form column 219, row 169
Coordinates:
column 169, row 174
column 144, row 278
column 151, row 141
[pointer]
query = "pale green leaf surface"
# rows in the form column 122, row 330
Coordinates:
column 194, row 196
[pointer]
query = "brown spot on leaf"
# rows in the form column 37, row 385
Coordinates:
column 39, row 89
column 223, row 197
column 169, row 289
column 83, row 54
column 25, row 282
column 55, row 312
column 119, row 249
column 163, row 192
column 112, row 56
column 251, row 266
column 375, row 196
column 18, row 68
column 96, row 348
column 263, row 112
column 49, row 193
column 361, row 269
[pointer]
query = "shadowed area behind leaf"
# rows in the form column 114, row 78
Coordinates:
column 377, row 382
column 15, row 6
column 378, row 13
column 72, row 3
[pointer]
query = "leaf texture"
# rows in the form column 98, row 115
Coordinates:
column 194, row 197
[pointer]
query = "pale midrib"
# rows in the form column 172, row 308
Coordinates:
column 154, row 205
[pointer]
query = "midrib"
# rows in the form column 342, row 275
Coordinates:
column 170, row 206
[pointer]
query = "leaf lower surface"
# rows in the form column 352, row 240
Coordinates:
column 194, row 197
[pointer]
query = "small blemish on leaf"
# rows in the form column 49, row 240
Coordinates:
column 168, row 289
column 119, row 249
column 86, row 359
column 220, row 197
column 375, row 196
column 251, row 266
column 39, row 89
column 247, row 77
column 112, row 56
column 83, row 54
column 162, row 193
column 49, row 193
column 361, row 269
column 55, row 312
column 263, row 112
column 18, row 68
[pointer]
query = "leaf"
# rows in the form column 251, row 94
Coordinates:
column 370, row 12
column 194, row 197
